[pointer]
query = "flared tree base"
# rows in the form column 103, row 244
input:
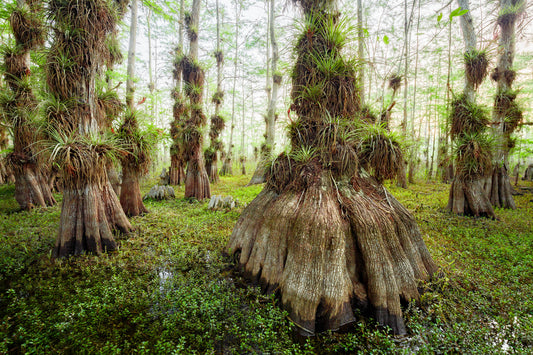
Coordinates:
column 227, row 169
column 499, row 189
column 31, row 188
column 130, row 193
column 469, row 198
column 212, row 171
column 88, row 217
column 115, row 180
column 197, row 182
column 176, row 171
column 259, row 173
column 331, row 245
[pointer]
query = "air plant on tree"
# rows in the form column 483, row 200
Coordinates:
column 19, row 106
column 90, row 210
column 324, row 234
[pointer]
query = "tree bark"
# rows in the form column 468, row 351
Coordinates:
column 196, row 182
column 29, row 171
column 90, row 209
column 270, row 120
column 177, row 162
column 217, row 122
column 130, row 86
column 501, row 190
column 227, row 167
column 326, row 236
column 467, row 194
column 130, row 193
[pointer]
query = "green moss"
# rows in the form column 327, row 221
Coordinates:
column 169, row 289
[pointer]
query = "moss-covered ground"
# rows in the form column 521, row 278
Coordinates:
column 170, row 290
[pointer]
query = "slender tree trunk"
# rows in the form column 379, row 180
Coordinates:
column 413, row 150
column 177, row 161
column 196, row 181
column 361, row 50
column 270, row 132
column 217, row 122
column 227, row 167
column 130, row 193
column 90, row 209
column 30, row 173
column 506, row 113
column 445, row 163
column 467, row 193
column 130, row 86
column 402, row 176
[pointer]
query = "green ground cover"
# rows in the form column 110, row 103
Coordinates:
column 169, row 289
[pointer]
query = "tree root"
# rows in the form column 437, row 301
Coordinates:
column 331, row 245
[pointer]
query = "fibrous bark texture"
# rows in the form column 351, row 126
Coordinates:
column 324, row 234
column 91, row 209
column 31, row 186
column 468, row 129
column 196, row 181
column 227, row 167
column 176, row 171
column 330, row 246
column 87, row 220
column 469, row 198
column 180, row 113
column 506, row 114
column 499, row 189
column 130, row 193
column 134, row 165
column 260, row 171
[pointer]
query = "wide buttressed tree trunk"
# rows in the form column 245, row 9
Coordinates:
column 136, row 163
column 324, row 233
column 90, row 209
column 468, row 129
column 506, row 114
column 196, row 181
column 270, row 119
column 217, row 121
column 19, row 104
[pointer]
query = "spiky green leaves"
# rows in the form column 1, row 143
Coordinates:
column 96, row 18
column 467, row 117
column 322, row 80
column 510, row 11
column 14, row 66
column 28, row 28
column 473, row 155
column 114, row 53
column 476, row 66
column 84, row 159
column 218, row 96
column 138, row 145
column 380, row 152
column 110, row 107
column 506, row 106
column 279, row 173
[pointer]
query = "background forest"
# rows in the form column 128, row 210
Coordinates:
column 205, row 90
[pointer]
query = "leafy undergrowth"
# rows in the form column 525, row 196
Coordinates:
column 169, row 288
